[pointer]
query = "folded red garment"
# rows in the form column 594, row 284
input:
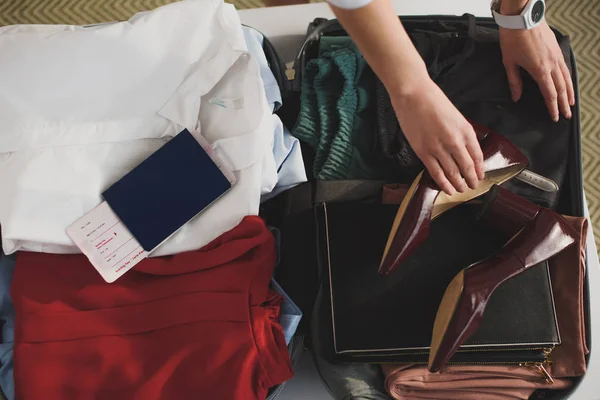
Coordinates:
column 201, row 324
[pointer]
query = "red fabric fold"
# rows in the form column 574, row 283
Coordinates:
column 138, row 318
column 269, row 338
column 195, row 325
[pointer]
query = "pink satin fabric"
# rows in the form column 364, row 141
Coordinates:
column 466, row 382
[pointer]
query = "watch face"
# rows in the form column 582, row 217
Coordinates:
column 537, row 12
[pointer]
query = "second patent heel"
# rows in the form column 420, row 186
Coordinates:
column 464, row 302
column 425, row 202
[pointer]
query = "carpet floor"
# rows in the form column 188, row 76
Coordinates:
column 578, row 18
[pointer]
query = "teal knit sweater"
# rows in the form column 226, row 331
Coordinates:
column 337, row 113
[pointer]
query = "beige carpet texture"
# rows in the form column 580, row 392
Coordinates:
column 578, row 18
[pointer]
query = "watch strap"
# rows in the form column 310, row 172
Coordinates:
column 510, row 21
column 538, row 181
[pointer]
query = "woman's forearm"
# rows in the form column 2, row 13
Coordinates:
column 381, row 38
column 512, row 7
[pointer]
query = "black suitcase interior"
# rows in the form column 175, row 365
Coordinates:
column 294, row 211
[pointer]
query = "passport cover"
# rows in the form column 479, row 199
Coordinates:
column 166, row 190
column 371, row 316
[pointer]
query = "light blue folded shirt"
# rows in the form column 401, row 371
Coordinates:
column 254, row 41
column 286, row 148
column 289, row 314
column 288, row 158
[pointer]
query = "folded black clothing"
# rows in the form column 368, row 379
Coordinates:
column 392, row 141
column 465, row 60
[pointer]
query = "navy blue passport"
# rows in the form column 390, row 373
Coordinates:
column 166, row 190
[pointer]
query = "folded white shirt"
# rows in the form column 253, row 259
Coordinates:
column 81, row 107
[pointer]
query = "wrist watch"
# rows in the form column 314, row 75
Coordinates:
column 531, row 16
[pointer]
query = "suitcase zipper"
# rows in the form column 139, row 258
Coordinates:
column 547, row 352
column 540, row 367
column 537, row 366
column 317, row 32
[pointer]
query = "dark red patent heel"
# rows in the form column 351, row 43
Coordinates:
column 461, row 309
column 506, row 212
column 424, row 200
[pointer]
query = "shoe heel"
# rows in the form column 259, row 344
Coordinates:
column 424, row 201
column 506, row 212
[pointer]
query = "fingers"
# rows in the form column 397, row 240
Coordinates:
column 546, row 84
column 467, row 167
column 569, row 82
column 474, row 150
column 557, row 88
column 515, row 81
column 451, row 170
column 561, row 90
column 458, row 164
column 438, row 175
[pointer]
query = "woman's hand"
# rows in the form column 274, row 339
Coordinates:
column 439, row 134
column 536, row 51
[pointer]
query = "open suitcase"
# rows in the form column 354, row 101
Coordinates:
column 293, row 211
